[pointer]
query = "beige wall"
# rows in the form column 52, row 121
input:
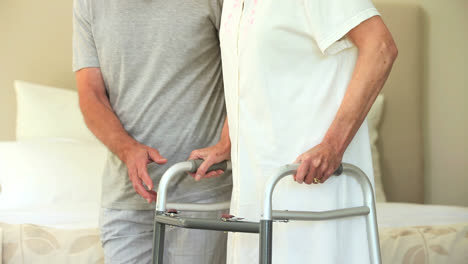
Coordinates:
column 445, row 95
column 446, row 123
column 35, row 46
column 35, row 39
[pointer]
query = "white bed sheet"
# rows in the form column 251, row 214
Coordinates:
column 67, row 216
column 408, row 214
column 86, row 215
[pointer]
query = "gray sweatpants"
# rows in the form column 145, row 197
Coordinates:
column 127, row 237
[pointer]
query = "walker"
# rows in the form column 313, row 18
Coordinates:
column 264, row 228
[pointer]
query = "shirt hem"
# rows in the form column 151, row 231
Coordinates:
column 119, row 205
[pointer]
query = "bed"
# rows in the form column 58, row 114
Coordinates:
column 54, row 218
column 409, row 234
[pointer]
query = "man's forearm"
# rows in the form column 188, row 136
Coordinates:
column 99, row 115
column 373, row 66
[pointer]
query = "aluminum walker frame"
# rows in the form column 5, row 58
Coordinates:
column 264, row 228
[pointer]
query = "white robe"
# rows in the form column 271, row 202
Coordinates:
column 286, row 68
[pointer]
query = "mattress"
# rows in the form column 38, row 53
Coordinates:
column 86, row 215
column 409, row 233
column 65, row 216
column 407, row 214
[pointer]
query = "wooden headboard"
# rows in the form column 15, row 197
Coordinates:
column 401, row 142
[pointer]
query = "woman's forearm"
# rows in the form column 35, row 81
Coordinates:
column 377, row 52
column 225, row 140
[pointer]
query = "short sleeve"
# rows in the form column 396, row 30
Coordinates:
column 84, row 48
column 330, row 20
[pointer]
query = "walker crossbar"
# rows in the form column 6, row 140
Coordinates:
column 265, row 227
column 316, row 216
column 209, row 224
column 253, row 227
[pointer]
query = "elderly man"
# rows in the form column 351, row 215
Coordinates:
column 150, row 86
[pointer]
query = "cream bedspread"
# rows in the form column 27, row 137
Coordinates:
column 24, row 243
column 444, row 244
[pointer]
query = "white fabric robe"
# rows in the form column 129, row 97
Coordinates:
column 286, row 67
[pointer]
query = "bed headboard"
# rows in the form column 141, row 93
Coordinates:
column 401, row 142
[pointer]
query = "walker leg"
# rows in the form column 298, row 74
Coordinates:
column 266, row 234
column 373, row 236
column 158, row 241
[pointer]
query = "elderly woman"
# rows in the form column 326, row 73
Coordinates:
column 300, row 77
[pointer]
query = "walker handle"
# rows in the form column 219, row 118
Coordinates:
column 219, row 166
column 183, row 167
column 368, row 210
column 290, row 169
column 339, row 170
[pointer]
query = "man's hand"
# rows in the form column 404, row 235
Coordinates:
column 211, row 155
column 137, row 157
column 105, row 125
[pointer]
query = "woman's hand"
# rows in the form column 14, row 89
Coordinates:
column 320, row 162
column 211, row 155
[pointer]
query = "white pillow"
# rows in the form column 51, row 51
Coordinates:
column 47, row 112
column 43, row 172
column 373, row 118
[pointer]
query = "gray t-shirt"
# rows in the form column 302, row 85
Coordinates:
column 161, row 65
